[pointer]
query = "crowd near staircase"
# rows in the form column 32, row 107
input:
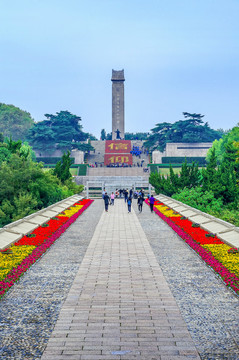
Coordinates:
column 102, row 173
column 144, row 157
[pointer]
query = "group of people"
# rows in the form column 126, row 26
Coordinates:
column 118, row 165
column 136, row 151
column 128, row 198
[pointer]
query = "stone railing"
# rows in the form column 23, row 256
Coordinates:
column 225, row 231
column 11, row 233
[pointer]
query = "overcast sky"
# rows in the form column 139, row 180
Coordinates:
column 177, row 56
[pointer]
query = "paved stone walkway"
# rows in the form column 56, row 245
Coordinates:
column 209, row 308
column 120, row 305
column 30, row 309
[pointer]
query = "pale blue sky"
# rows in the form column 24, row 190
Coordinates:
column 177, row 56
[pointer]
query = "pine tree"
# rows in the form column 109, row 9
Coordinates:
column 62, row 168
column 210, row 173
column 184, row 175
column 173, row 179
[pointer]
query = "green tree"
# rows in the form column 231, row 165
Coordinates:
column 184, row 174
column 210, row 172
column 156, row 180
column 228, row 174
column 199, row 199
column 219, row 146
column 5, row 154
column 222, row 179
column 85, row 147
column 14, row 122
column 10, row 147
column 109, row 136
column 136, row 136
column 61, row 131
column 188, row 177
column 26, row 188
column 103, row 134
column 62, row 168
column 190, row 130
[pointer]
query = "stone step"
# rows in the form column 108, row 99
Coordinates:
column 121, row 171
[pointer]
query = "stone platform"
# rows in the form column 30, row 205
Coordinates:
column 120, row 305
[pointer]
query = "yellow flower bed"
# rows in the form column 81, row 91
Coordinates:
column 220, row 252
column 166, row 211
column 9, row 261
column 71, row 211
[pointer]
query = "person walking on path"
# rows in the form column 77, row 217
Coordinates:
column 129, row 202
column 151, row 203
column 126, row 195
column 106, row 200
column 103, row 193
column 142, row 193
column 112, row 196
column 140, row 203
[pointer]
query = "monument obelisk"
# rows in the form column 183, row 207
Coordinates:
column 117, row 104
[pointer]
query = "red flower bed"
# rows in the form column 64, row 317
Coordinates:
column 195, row 238
column 39, row 235
column 43, row 237
column 199, row 235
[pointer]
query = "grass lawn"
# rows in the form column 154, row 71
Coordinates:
column 74, row 171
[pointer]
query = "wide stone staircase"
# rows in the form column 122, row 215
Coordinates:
column 96, row 156
column 120, row 171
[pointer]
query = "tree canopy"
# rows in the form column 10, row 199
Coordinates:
column 24, row 186
column 208, row 189
column 219, row 146
column 9, row 147
column 136, row 136
column 190, row 130
column 103, row 134
column 14, row 122
column 62, row 131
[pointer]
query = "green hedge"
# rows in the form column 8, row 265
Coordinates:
column 166, row 166
column 153, row 167
column 82, row 169
column 51, row 160
column 179, row 160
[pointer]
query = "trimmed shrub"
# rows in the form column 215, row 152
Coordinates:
column 180, row 160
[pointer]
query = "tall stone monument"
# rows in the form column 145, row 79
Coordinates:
column 117, row 104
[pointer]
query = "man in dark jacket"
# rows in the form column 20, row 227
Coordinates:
column 126, row 193
column 140, row 203
column 106, row 200
column 129, row 201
